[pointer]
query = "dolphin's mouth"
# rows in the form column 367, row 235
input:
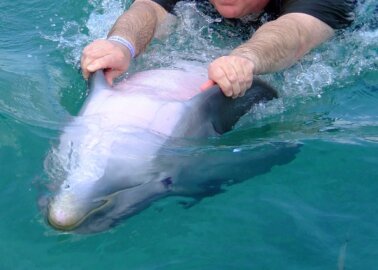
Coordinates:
column 66, row 221
column 65, row 213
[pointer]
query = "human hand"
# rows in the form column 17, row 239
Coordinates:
column 111, row 56
column 233, row 74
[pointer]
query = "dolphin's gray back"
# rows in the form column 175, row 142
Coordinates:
column 212, row 113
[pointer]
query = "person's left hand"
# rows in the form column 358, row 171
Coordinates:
column 233, row 74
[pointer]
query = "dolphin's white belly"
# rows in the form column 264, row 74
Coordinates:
column 111, row 110
column 148, row 100
column 115, row 120
column 116, row 138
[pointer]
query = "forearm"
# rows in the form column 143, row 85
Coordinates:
column 280, row 43
column 138, row 24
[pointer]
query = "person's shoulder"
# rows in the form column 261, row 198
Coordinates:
column 168, row 5
column 336, row 13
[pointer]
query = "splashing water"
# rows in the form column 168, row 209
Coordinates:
column 198, row 36
column 319, row 208
column 194, row 37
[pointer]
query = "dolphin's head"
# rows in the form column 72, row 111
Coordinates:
column 72, row 205
column 99, row 189
column 87, row 208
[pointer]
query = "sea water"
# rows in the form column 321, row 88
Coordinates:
column 316, row 212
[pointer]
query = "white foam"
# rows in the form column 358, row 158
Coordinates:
column 335, row 64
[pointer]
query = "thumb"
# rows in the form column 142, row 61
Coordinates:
column 111, row 74
column 206, row 85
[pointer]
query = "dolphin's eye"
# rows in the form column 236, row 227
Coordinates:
column 67, row 186
column 167, row 182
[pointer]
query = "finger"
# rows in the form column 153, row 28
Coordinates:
column 234, row 78
column 206, row 85
column 85, row 73
column 94, row 51
column 101, row 63
column 84, row 63
column 248, row 72
column 98, row 52
column 88, row 60
column 218, row 75
column 84, row 67
column 246, row 81
column 243, row 79
column 111, row 74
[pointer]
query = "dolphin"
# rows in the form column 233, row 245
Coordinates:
column 141, row 140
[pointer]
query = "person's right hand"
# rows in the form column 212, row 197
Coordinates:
column 112, row 57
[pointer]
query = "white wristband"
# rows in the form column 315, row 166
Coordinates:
column 125, row 43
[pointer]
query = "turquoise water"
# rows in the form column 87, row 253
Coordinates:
column 315, row 212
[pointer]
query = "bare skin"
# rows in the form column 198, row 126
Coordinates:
column 274, row 46
column 137, row 25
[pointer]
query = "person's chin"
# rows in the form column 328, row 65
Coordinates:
column 230, row 13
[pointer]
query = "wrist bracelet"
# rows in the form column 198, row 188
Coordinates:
column 125, row 43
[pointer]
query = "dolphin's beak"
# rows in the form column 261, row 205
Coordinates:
column 62, row 220
column 66, row 213
column 69, row 211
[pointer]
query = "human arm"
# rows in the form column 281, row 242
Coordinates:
column 137, row 25
column 274, row 46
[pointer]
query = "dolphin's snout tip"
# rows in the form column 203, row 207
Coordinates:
column 66, row 212
column 63, row 213
column 61, row 220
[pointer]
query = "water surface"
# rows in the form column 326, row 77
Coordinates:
column 316, row 212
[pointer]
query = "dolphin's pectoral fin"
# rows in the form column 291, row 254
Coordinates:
column 223, row 112
column 207, row 191
column 186, row 204
column 210, row 189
